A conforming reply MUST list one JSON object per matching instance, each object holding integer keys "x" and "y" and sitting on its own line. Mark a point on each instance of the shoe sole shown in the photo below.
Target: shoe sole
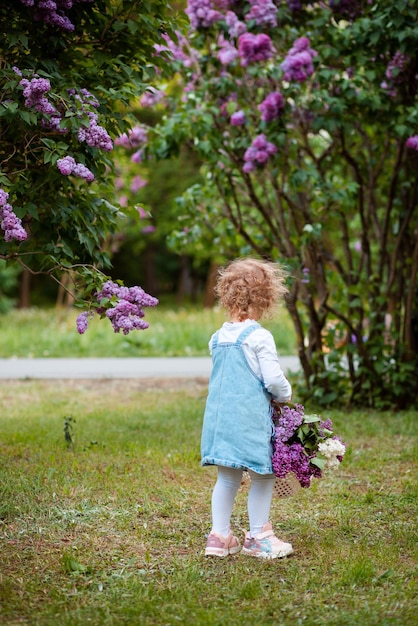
{"x": 222, "y": 552}
{"x": 267, "y": 555}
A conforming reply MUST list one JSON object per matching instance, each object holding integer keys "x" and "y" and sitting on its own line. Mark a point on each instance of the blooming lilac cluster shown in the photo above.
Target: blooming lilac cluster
{"x": 235, "y": 26}
{"x": 123, "y": 306}
{"x": 68, "y": 166}
{"x": 304, "y": 444}
{"x": 298, "y": 65}
{"x": 34, "y": 91}
{"x": 254, "y": 48}
{"x": 10, "y": 223}
{"x": 94, "y": 135}
{"x": 151, "y": 97}
{"x": 238, "y": 118}
{"x": 179, "y": 50}
{"x": 292, "y": 458}
{"x": 202, "y": 13}
{"x": 412, "y": 142}
{"x": 135, "y": 137}
{"x": 289, "y": 420}
{"x": 53, "y": 11}
{"x": 396, "y": 72}
{"x": 258, "y": 153}
{"x": 85, "y": 98}
{"x": 263, "y": 12}
{"x": 271, "y": 107}
{"x": 227, "y": 51}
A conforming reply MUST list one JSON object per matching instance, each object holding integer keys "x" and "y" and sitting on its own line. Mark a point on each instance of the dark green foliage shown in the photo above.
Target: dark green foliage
{"x": 337, "y": 203}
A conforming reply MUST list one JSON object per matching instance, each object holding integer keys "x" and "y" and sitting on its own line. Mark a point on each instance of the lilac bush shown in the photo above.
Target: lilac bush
{"x": 302, "y": 175}
{"x": 69, "y": 73}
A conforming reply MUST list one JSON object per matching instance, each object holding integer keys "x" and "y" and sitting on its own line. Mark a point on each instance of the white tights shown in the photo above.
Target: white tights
{"x": 223, "y": 498}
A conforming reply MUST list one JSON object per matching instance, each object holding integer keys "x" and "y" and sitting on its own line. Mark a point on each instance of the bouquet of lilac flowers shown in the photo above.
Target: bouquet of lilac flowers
{"x": 304, "y": 445}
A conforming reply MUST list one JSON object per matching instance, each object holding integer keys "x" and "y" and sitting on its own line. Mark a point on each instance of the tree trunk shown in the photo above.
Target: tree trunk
{"x": 24, "y": 295}
{"x": 209, "y": 299}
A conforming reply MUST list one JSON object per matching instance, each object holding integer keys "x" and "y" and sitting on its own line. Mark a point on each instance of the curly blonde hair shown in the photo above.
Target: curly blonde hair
{"x": 250, "y": 287}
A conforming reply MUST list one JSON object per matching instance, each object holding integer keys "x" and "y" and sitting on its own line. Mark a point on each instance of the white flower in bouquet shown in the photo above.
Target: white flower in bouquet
{"x": 331, "y": 449}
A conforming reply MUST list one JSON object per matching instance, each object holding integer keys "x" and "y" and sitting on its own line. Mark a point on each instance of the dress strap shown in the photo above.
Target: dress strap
{"x": 215, "y": 339}
{"x": 247, "y": 331}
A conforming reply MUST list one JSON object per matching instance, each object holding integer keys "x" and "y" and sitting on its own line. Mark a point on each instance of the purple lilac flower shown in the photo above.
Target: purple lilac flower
{"x": 271, "y": 107}
{"x": 324, "y": 425}
{"x": 123, "y": 306}
{"x": 10, "y": 223}
{"x": 235, "y": 26}
{"x": 396, "y": 73}
{"x": 412, "y": 142}
{"x": 134, "y": 138}
{"x": 82, "y": 322}
{"x": 179, "y": 50}
{"x": 137, "y": 183}
{"x": 68, "y": 166}
{"x": 151, "y": 98}
{"x": 292, "y": 458}
{"x": 254, "y": 48}
{"x": 95, "y": 136}
{"x": 288, "y": 422}
{"x": 202, "y": 13}
{"x": 148, "y": 230}
{"x": 34, "y": 91}
{"x": 137, "y": 156}
{"x": 306, "y": 275}
{"x": 263, "y": 12}
{"x": 227, "y": 53}
{"x": 298, "y": 65}
{"x": 258, "y": 153}
{"x": 53, "y": 11}
{"x": 238, "y": 118}
{"x": 281, "y": 461}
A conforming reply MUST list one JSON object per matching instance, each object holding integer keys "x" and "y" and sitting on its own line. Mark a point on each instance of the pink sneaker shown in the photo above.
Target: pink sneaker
{"x": 217, "y": 545}
{"x": 265, "y": 545}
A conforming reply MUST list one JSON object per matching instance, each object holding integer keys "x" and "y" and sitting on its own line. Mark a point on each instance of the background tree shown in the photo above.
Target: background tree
{"x": 305, "y": 117}
{"x": 68, "y": 72}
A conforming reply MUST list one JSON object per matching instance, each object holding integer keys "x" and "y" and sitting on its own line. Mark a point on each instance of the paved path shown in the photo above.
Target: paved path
{"x": 176, "y": 367}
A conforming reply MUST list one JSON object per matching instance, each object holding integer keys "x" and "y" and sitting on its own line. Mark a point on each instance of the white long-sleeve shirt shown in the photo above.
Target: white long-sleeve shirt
{"x": 261, "y": 354}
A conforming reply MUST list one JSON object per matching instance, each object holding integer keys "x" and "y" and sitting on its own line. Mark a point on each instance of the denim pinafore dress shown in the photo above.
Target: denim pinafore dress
{"x": 237, "y": 425}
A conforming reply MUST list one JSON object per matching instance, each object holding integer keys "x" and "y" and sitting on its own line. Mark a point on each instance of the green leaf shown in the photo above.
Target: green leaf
{"x": 318, "y": 462}
{"x": 310, "y": 419}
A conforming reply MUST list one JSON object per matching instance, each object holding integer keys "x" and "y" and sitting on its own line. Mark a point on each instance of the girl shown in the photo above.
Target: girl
{"x": 237, "y": 426}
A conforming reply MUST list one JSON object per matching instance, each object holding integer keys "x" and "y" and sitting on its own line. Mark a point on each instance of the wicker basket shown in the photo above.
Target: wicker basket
{"x": 286, "y": 486}
{"x": 283, "y": 487}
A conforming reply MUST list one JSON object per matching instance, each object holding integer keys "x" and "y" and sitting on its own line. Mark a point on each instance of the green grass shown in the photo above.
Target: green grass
{"x": 173, "y": 331}
{"x": 110, "y": 530}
